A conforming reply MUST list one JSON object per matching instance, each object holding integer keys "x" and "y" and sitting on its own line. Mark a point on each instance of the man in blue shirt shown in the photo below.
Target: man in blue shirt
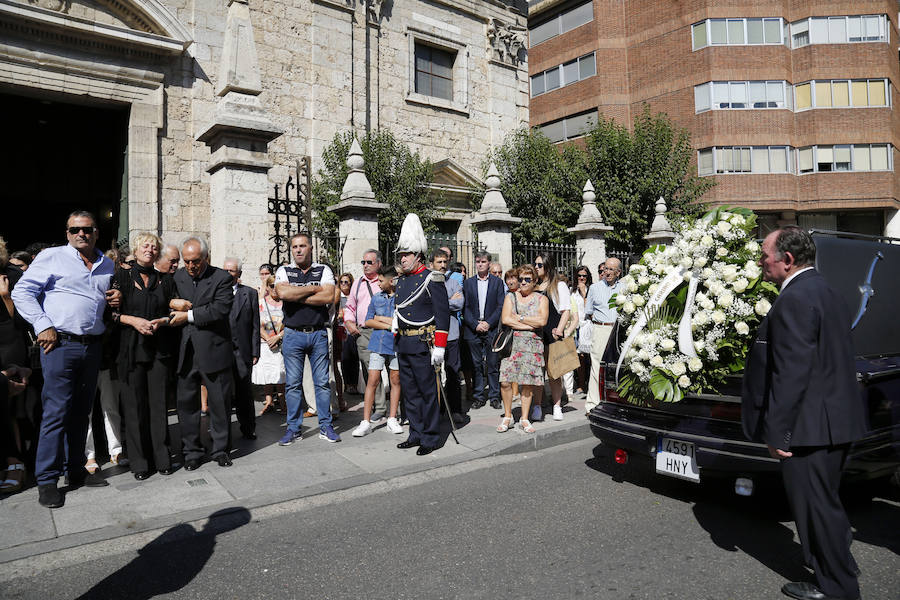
{"x": 596, "y": 308}
{"x": 63, "y": 294}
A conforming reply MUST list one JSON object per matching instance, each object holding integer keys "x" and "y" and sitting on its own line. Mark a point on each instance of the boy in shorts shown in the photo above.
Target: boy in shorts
{"x": 381, "y": 347}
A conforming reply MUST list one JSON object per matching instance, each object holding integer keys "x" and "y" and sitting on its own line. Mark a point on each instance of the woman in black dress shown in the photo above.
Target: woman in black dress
{"x": 146, "y": 356}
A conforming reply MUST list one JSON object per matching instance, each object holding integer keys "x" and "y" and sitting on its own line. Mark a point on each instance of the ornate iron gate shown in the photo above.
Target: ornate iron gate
{"x": 292, "y": 212}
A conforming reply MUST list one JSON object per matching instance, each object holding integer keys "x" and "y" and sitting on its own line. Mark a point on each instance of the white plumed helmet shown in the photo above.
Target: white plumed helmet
{"x": 412, "y": 236}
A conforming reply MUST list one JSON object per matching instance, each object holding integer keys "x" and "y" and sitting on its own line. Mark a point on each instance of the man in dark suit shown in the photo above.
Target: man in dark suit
{"x": 245, "y": 338}
{"x": 801, "y": 398}
{"x": 206, "y": 355}
{"x": 481, "y": 316}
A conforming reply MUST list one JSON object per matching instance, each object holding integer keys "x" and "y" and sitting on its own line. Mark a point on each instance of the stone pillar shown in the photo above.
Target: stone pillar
{"x": 358, "y": 211}
{"x": 590, "y": 231}
{"x": 660, "y": 230}
{"x": 238, "y": 140}
{"x": 494, "y": 221}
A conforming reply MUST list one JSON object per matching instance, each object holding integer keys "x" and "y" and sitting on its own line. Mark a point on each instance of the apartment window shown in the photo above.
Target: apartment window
{"x": 434, "y": 72}
{"x": 839, "y": 30}
{"x": 570, "y": 127}
{"x": 719, "y": 95}
{"x": 842, "y": 93}
{"x": 561, "y": 23}
{"x": 743, "y": 159}
{"x": 856, "y": 157}
{"x": 737, "y": 32}
{"x": 564, "y": 74}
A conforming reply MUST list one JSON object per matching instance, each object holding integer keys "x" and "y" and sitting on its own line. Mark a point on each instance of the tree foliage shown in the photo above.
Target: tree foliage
{"x": 398, "y": 176}
{"x": 630, "y": 169}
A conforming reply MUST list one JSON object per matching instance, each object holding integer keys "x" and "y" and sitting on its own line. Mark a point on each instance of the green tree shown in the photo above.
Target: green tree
{"x": 541, "y": 184}
{"x": 631, "y": 169}
{"x": 399, "y": 178}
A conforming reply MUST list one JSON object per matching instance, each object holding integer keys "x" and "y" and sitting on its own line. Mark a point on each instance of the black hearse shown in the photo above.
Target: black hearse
{"x": 701, "y": 437}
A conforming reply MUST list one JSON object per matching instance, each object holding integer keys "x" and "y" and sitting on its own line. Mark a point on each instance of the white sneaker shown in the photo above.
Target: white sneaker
{"x": 557, "y": 412}
{"x": 393, "y": 425}
{"x": 364, "y": 428}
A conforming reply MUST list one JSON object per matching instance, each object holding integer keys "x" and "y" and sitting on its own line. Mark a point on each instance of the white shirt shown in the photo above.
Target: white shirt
{"x": 788, "y": 280}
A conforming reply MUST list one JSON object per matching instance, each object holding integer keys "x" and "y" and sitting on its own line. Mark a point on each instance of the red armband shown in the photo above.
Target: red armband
{"x": 440, "y": 339}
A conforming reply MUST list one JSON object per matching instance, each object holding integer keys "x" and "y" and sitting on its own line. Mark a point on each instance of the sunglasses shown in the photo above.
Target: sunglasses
{"x": 77, "y": 230}
{"x": 524, "y": 279}
{"x": 131, "y": 262}
{"x": 345, "y": 282}
{"x": 272, "y": 287}
{"x": 367, "y": 262}
{"x": 582, "y": 276}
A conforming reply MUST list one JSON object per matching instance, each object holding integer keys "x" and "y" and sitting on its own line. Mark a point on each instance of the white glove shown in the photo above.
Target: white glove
{"x": 437, "y": 357}
{"x": 395, "y": 324}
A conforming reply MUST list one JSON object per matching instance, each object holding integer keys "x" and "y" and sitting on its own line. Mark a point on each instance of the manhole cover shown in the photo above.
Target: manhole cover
{"x": 196, "y": 482}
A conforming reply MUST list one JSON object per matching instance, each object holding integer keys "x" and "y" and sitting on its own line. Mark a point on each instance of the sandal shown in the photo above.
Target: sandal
{"x": 266, "y": 408}
{"x": 9, "y": 485}
{"x": 526, "y": 425}
{"x": 92, "y": 467}
{"x": 504, "y": 425}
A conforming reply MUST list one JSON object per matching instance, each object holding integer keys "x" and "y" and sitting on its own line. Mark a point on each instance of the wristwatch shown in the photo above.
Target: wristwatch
{"x": 521, "y": 318}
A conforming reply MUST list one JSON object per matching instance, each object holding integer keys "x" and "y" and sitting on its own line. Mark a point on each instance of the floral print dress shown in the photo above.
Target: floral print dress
{"x": 525, "y": 363}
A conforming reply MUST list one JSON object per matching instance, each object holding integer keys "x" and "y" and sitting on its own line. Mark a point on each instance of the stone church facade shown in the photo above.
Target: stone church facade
{"x": 219, "y": 98}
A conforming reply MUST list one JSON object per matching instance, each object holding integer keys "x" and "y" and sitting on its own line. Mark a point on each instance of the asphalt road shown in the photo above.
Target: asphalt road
{"x": 563, "y": 523}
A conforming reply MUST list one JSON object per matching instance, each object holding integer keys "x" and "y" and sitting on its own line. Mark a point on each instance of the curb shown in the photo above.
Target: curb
{"x": 539, "y": 441}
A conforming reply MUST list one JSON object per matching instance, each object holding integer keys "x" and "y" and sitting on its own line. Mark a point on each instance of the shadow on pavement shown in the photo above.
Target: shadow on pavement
{"x": 170, "y": 562}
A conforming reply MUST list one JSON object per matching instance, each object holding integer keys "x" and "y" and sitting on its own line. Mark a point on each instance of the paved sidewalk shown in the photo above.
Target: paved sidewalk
{"x": 263, "y": 473}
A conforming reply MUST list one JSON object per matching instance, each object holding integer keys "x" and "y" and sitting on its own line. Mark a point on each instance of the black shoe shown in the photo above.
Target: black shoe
{"x": 223, "y": 460}
{"x": 423, "y": 450}
{"x": 191, "y": 464}
{"x": 142, "y": 475}
{"x": 49, "y": 496}
{"x": 408, "y": 444}
{"x": 478, "y": 404}
{"x": 248, "y": 436}
{"x": 168, "y": 471}
{"x": 804, "y": 591}
{"x": 87, "y": 479}
{"x": 496, "y": 404}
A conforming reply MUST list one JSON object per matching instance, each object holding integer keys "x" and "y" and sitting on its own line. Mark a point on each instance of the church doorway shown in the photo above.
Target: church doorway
{"x": 59, "y": 157}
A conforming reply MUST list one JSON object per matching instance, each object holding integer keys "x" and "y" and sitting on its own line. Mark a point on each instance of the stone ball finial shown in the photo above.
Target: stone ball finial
{"x": 661, "y": 231}
{"x": 588, "y": 194}
{"x": 357, "y": 184}
{"x": 492, "y": 182}
{"x": 661, "y": 206}
{"x": 355, "y": 161}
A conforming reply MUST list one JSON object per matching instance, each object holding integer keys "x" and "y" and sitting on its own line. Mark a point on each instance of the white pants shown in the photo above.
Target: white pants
{"x": 599, "y": 340}
{"x": 109, "y": 403}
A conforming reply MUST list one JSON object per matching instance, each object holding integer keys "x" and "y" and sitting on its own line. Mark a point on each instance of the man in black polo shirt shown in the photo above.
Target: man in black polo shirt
{"x": 306, "y": 288}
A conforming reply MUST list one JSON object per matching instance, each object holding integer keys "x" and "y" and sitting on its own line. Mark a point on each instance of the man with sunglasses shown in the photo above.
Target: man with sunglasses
{"x": 596, "y": 308}
{"x": 64, "y": 295}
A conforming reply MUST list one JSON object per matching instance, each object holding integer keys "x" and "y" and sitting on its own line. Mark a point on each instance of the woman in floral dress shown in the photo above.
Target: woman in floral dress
{"x": 525, "y": 312}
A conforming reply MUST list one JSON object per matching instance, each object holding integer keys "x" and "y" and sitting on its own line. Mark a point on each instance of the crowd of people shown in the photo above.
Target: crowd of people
{"x": 137, "y": 334}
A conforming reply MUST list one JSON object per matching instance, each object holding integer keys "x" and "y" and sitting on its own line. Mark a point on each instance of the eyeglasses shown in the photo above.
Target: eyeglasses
{"x": 345, "y": 282}
{"x": 77, "y": 230}
{"x": 524, "y": 279}
{"x": 538, "y": 265}
{"x": 367, "y": 262}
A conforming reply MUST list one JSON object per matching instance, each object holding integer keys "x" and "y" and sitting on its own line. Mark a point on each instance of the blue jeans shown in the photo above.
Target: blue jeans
{"x": 296, "y": 346}
{"x": 70, "y": 383}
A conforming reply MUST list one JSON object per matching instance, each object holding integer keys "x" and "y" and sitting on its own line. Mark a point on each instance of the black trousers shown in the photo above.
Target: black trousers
{"x": 350, "y": 361}
{"x": 811, "y": 478}
{"x": 144, "y": 412}
{"x": 243, "y": 399}
{"x": 452, "y": 368}
{"x": 220, "y": 388}
{"x": 420, "y": 393}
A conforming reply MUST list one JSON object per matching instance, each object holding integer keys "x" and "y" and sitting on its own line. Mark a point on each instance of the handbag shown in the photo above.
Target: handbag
{"x": 503, "y": 340}
{"x": 269, "y": 312}
{"x": 562, "y": 358}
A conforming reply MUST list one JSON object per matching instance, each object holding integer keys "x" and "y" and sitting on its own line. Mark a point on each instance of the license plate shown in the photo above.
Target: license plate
{"x": 677, "y": 459}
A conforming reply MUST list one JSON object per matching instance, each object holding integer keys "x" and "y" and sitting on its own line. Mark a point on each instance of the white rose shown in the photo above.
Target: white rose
{"x": 684, "y": 381}
{"x": 740, "y": 285}
{"x": 667, "y": 344}
{"x": 752, "y": 246}
{"x": 659, "y": 268}
{"x": 699, "y": 346}
{"x": 643, "y": 280}
{"x": 687, "y": 275}
{"x": 737, "y": 220}
{"x": 678, "y": 369}
{"x": 637, "y": 300}
{"x": 723, "y": 227}
{"x": 620, "y": 299}
{"x": 637, "y": 269}
{"x": 632, "y": 286}
{"x": 721, "y": 251}
{"x": 762, "y": 307}
{"x": 644, "y": 354}
{"x": 700, "y": 261}
{"x": 726, "y": 299}
{"x": 637, "y": 367}
{"x": 652, "y": 289}
{"x": 686, "y": 261}
{"x": 706, "y": 241}
{"x": 742, "y": 328}
{"x": 718, "y": 317}
{"x": 708, "y": 273}
{"x": 629, "y": 308}
{"x": 656, "y": 361}
{"x": 707, "y": 304}
{"x": 729, "y": 273}
{"x": 700, "y": 319}
{"x": 695, "y": 364}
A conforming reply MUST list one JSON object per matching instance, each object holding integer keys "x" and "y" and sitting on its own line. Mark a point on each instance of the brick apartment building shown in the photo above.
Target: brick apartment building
{"x": 789, "y": 103}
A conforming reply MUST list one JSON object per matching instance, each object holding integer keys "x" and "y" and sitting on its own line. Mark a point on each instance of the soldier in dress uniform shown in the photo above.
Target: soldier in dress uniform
{"x": 421, "y": 323}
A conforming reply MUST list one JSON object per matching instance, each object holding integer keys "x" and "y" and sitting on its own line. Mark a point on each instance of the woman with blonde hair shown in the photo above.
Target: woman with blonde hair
{"x": 268, "y": 371}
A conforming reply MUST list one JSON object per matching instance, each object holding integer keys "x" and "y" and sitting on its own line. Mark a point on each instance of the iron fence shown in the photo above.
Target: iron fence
{"x": 566, "y": 256}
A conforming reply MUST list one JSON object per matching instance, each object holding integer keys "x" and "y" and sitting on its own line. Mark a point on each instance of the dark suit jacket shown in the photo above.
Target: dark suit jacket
{"x": 245, "y": 328}
{"x": 210, "y": 333}
{"x": 493, "y": 305}
{"x": 800, "y": 384}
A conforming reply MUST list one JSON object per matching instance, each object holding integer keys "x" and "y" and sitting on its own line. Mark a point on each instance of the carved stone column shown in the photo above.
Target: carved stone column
{"x": 358, "y": 211}
{"x": 590, "y": 230}
{"x": 238, "y": 140}
{"x": 494, "y": 221}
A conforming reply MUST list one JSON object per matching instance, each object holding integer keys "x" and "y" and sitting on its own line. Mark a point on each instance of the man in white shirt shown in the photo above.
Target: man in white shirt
{"x": 596, "y": 308}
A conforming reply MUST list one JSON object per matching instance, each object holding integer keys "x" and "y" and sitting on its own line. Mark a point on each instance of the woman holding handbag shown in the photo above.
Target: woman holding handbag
{"x": 268, "y": 371}
{"x": 557, "y": 292}
{"x": 580, "y": 287}
{"x": 525, "y": 313}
